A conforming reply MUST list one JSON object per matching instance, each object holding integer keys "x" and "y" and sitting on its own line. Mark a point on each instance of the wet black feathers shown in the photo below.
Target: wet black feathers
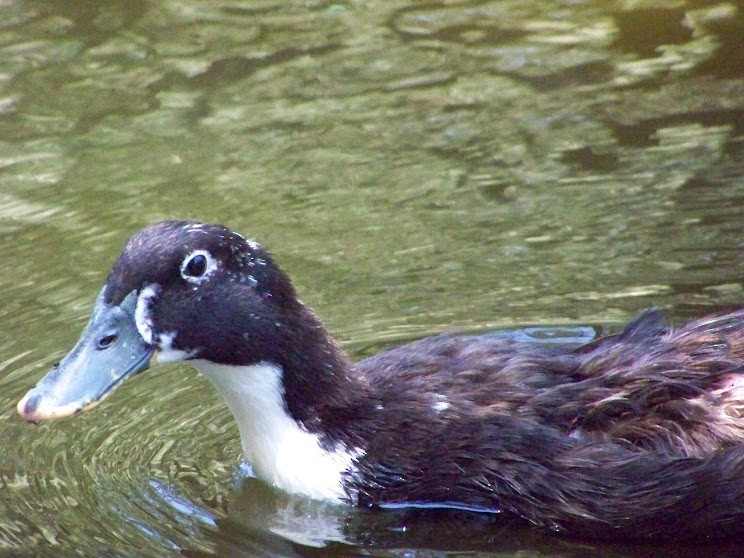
{"x": 633, "y": 436}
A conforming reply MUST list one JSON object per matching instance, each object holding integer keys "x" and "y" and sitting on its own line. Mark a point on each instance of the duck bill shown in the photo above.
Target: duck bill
{"x": 109, "y": 351}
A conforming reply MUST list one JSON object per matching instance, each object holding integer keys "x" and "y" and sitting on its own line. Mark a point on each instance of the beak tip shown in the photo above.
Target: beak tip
{"x": 28, "y": 406}
{"x": 36, "y": 407}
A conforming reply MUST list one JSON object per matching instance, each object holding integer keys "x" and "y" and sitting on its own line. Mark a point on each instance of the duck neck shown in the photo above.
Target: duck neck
{"x": 318, "y": 378}
{"x": 291, "y": 409}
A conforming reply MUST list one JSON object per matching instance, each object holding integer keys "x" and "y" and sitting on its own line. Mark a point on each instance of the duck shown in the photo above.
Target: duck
{"x": 636, "y": 436}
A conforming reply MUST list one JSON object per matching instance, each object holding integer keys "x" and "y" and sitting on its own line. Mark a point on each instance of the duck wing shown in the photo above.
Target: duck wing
{"x": 680, "y": 391}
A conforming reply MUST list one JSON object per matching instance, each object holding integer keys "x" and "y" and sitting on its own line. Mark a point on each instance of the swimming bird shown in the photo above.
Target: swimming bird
{"x": 636, "y": 436}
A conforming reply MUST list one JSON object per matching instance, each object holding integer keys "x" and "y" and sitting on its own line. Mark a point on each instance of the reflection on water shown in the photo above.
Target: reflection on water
{"x": 415, "y": 166}
{"x": 263, "y": 522}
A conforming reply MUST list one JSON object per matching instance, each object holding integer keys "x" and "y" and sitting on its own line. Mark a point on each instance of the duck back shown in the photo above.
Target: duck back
{"x": 634, "y": 436}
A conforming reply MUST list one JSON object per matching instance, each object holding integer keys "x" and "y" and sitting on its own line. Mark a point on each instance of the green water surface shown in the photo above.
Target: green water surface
{"x": 414, "y": 166}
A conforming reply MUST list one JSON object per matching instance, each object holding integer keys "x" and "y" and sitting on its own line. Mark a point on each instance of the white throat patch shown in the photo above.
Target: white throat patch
{"x": 277, "y": 447}
{"x": 142, "y": 318}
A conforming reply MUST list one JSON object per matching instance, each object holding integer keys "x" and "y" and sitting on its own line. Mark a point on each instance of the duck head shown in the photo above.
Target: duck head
{"x": 179, "y": 291}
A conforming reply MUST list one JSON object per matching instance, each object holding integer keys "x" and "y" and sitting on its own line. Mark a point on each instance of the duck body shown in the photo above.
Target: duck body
{"x": 637, "y": 436}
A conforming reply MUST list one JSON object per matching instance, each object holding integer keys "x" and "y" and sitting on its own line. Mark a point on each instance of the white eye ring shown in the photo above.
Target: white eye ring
{"x": 198, "y": 266}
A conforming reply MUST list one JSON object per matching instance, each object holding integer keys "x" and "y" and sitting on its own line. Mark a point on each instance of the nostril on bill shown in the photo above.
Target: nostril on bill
{"x": 106, "y": 342}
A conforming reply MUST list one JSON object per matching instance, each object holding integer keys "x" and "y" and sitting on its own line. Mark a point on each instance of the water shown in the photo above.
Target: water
{"x": 414, "y": 166}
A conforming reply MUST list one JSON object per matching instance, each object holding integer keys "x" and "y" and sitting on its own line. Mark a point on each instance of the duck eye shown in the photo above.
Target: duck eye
{"x": 196, "y": 266}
